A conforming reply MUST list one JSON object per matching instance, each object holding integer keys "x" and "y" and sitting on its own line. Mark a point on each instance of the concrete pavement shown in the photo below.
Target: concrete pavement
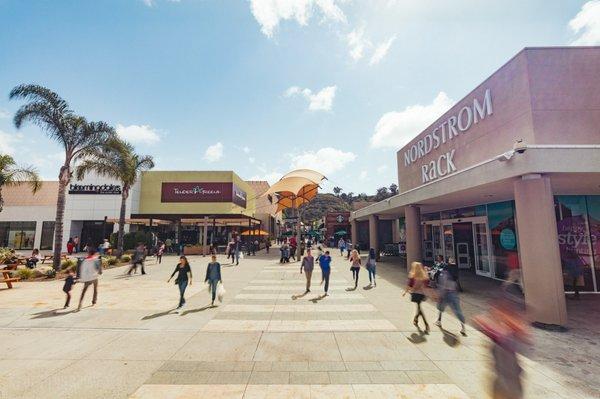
{"x": 267, "y": 340}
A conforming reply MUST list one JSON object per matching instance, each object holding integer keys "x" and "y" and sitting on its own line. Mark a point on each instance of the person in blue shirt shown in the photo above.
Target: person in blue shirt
{"x": 325, "y": 263}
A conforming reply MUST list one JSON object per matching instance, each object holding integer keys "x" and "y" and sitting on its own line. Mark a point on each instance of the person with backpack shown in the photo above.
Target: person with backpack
{"x": 448, "y": 295}
{"x": 371, "y": 266}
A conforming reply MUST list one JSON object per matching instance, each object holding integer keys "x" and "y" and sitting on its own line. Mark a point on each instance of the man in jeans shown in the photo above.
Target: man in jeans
{"x": 448, "y": 296}
{"x": 308, "y": 264}
{"x": 88, "y": 271}
{"x": 325, "y": 263}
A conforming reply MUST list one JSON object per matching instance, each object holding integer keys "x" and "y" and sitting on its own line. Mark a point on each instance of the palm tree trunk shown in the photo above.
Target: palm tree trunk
{"x": 63, "y": 180}
{"x": 1, "y": 200}
{"x": 121, "y": 232}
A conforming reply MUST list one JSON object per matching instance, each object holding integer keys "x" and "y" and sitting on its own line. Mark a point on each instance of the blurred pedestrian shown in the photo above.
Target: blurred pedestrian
{"x": 342, "y": 246}
{"x": 213, "y": 277}
{"x": 68, "y": 286}
{"x": 447, "y": 291}
{"x": 268, "y": 244}
{"x": 138, "y": 258}
{"x": 308, "y": 264}
{"x": 184, "y": 277}
{"x": 160, "y": 252}
{"x": 70, "y": 246}
{"x": 371, "y": 267}
{"x": 88, "y": 272}
{"x": 454, "y": 272}
{"x": 355, "y": 267}
{"x": 76, "y": 242}
{"x": 417, "y": 283}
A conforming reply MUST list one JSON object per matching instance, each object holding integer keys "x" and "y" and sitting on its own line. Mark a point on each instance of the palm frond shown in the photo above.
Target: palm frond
{"x": 38, "y": 93}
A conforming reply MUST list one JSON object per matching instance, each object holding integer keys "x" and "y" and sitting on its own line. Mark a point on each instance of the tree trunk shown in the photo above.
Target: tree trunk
{"x": 121, "y": 232}
{"x": 1, "y": 200}
{"x": 63, "y": 180}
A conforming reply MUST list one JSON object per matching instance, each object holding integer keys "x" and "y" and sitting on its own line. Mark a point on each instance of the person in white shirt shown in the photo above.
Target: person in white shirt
{"x": 88, "y": 271}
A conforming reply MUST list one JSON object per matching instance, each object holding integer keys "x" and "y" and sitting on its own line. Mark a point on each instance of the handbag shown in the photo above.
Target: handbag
{"x": 416, "y": 297}
{"x": 220, "y": 292}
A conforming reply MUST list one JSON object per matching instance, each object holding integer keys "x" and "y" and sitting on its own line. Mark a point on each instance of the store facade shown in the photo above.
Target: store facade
{"x": 196, "y": 208}
{"x": 509, "y": 179}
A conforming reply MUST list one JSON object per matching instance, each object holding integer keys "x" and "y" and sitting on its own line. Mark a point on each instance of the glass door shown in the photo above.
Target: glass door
{"x": 448, "y": 241}
{"x": 482, "y": 253}
{"x": 436, "y": 236}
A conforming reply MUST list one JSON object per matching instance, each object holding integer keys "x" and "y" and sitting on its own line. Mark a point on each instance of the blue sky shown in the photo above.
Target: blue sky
{"x": 263, "y": 86}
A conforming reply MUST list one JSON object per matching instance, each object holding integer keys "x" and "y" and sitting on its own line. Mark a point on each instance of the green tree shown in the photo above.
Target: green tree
{"x": 118, "y": 160}
{"x": 382, "y": 193}
{"x": 393, "y": 189}
{"x": 47, "y": 110}
{"x": 337, "y": 191}
{"x": 318, "y": 207}
{"x": 12, "y": 174}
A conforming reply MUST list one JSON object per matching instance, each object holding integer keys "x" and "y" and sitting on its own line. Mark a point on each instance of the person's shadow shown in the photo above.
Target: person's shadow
{"x": 319, "y": 298}
{"x": 160, "y": 314}
{"x": 50, "y": 313}
{"x": 294, "y": 297}
{"x": 351, "y": 289}
{"x": 450, "y": 339}
{"x": 418, "y": 338}
{"x": 202, "y": 309}
{"x": 368, "y": 287}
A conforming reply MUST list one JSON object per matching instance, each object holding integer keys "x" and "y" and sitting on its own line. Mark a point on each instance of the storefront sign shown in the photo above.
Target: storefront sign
{"x": 508, "y": 240}
{"x": 106, "y": 189}
{"x": 445, "y": 133}
{"x": 203, "y": 192}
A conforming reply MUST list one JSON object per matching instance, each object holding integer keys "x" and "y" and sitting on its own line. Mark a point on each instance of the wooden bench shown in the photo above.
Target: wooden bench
{"x": 51, "y": 257}
{"x": 6, "y": 278}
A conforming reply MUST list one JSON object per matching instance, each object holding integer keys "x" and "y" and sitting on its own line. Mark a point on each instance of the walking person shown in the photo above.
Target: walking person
{"x": 448, "y": 296}
{"x": 371, "y": 267}
{"x": 325, "y": 264}
{"x": 268, "y": 244}
{"x": 160, "y": 252}
{"x": 88, "y": 272}
{"x": 417, "y": 283}
{"x": 293, "y": 247}
{"x": 213, "y": 277}
{"x": 138, "y": 259}
{"x": 342, "y": 246}
{"x": 184, "y": 276}
{"x": 168, "y": 244}
{"x": 68, "y": 286}
{"x": 308, "y": 265}
{"x": 237, "y": 250}
{"x": 355, "y": 266}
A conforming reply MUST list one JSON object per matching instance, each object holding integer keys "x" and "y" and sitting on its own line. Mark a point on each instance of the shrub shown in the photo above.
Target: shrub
{"x": 104, "y": 262}
{"x": 25, "y": 274}
{"x": 126, "y": 258}
{"x": 111, "y": 260}
{"x": 130, "y": 240}
{"x": 65, "y": 264}
{"x": 51, "y": 273}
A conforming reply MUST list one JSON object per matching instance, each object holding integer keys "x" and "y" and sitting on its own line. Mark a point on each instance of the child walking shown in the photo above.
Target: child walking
{"x": 69, "y": 281}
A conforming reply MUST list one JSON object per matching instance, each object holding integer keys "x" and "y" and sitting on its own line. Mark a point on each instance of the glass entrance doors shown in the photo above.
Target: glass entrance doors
{"x": 467, "y": 240}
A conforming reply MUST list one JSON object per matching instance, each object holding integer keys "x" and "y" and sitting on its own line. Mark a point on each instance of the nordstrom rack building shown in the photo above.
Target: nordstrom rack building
{"x": 508, "y": 178}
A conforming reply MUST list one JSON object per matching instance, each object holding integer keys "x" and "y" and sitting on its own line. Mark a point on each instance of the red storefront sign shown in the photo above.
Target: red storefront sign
{"x": 202, "y": 192}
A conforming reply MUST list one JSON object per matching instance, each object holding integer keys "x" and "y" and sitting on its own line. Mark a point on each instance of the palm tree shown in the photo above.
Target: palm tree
{"x": 52, "y": 114}
{"x": 117, "y": 160}
{"x": 11, "y": 174}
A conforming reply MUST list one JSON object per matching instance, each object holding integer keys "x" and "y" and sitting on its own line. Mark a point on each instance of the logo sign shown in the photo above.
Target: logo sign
{"x": 340, "y": 218}
{"x": 103, "y": 189}
{"x": 203, "y": 192}
{"x": 508, "y": 240}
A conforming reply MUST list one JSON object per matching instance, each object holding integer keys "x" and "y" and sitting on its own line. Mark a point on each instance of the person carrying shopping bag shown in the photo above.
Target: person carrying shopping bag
{"x": 213, "y": 277}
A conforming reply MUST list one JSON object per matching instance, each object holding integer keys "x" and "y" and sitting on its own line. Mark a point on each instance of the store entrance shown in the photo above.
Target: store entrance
{"x": 467, "y": 240}
{"x": 94, "y": 232}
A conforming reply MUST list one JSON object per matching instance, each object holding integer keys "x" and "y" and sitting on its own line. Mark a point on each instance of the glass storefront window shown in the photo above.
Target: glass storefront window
{"x": 574, "y": 241}
{"x": 593, "y": 205}
{"x": 17, "y": 235}
{"x": 501, "y": 221}
{"x": 47, "y": 235}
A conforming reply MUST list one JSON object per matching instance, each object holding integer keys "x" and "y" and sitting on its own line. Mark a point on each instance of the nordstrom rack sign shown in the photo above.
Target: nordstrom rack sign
{"x": 445, "y": 133}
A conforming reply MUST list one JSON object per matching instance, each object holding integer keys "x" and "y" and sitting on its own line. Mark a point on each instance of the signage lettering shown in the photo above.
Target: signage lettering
{"x": 452, "y": 127}
{"x": 103, "y": 189}
{"x": 203, "y": 192}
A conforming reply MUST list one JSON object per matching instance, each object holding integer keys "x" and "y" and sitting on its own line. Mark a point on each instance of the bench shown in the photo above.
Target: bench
{"x": 6, "y": 278}
{"x": 51, "y": 257}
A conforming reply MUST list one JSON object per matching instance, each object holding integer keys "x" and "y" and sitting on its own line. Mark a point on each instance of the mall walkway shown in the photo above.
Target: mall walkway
{"x": 260, "y": 343}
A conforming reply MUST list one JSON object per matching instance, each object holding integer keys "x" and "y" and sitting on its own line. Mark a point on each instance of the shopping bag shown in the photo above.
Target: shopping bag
{"x": 220, "y": 292}
{"x": 241, "y": 255}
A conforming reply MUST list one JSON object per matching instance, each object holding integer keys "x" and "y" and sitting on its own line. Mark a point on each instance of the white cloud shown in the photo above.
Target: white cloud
{"x": 357, "y": 43}
{"x": 214, "y": 152}
{"x": 246, "y": 150}
{"x": 4, "y": 113}
{"x": 363, "y": 175}
{"x": 382, "y": 168}
{"x": 268, "y": 13}
{"x": 586, "y": 24}
{"x": 138, "y": 134}
{"x": 397, "y": 128}
{"x": 7, "y": 142}
{"x": 271, "y": 177}
{"x": 150, "y": 3}
{"x": 321, "y": 101}
{"x": 326, "y": 160}
{"x": 381, "y": 51}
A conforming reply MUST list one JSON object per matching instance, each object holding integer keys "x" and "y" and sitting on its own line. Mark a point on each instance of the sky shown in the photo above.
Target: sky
{"x": 262, "y": 87}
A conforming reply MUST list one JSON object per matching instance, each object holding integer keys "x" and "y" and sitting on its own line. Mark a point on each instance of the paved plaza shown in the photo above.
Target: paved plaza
{"x": 266, "y": 340}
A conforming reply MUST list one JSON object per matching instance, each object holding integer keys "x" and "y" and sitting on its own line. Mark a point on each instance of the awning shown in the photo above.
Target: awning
{"x": 143, "y": 221}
